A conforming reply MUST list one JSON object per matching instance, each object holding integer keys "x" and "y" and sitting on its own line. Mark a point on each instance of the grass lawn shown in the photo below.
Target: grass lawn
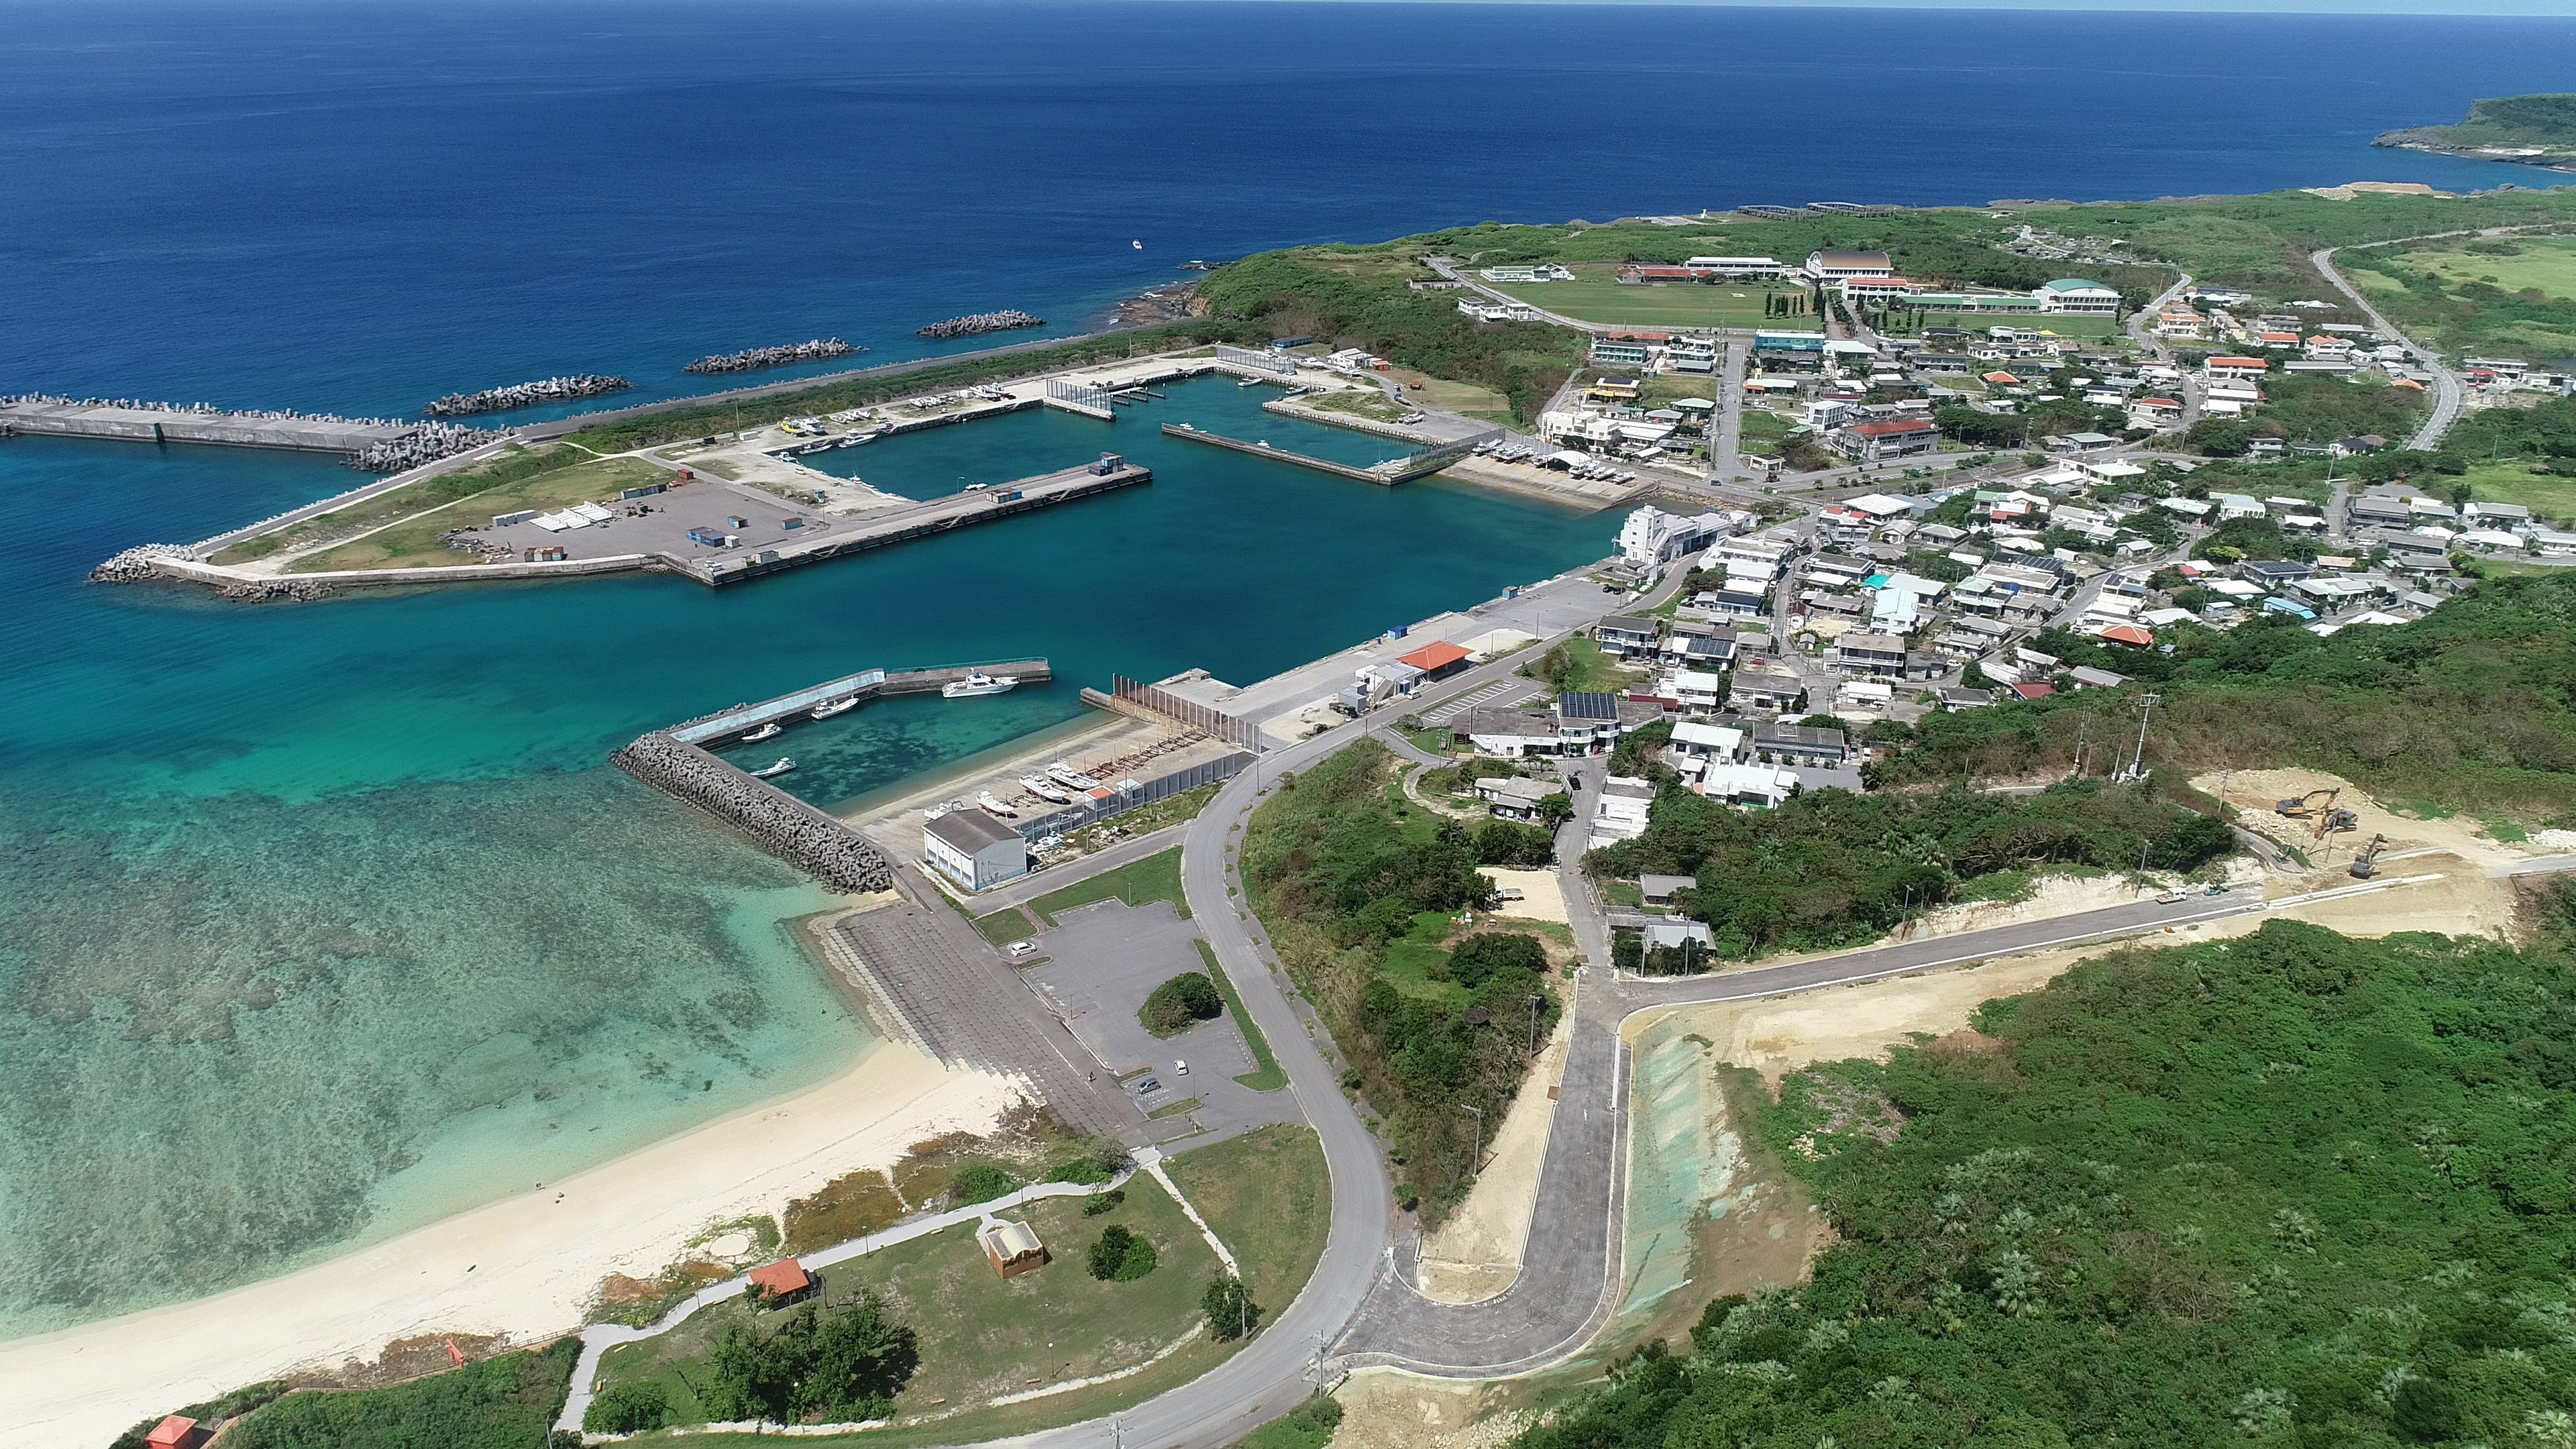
{"x": 982, "y": 1336}
{"x": 1155, "y": 878}
{"x": 1598, "y": 672}
{"x": 2543, "y": 493}
{"x": 1003, "y": 927}
{"x": 1435, "y": 740}
{"x": 1596, "y": 295}
{"x": 1412, "y": 958}
{"x": 410, "y": 498}
{"x": 1457, "y": 397}
{"x": 1266, "y": 1075}
{"x": 1371, "y": 404}
{"x": 414, "y": 542}
{"x": 1266, "y": 1195}
{"x": 2492, "y": 568}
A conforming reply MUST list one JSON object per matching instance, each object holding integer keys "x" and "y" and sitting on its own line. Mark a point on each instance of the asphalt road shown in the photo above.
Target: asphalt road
{"x": 2447, "y": 399}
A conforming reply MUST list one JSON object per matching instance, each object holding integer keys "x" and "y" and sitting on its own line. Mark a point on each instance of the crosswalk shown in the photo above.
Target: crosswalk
{"x": 1520, "y": 690}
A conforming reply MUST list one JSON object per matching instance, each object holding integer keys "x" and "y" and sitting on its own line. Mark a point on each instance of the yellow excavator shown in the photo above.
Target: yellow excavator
{"x": 2317, "y": 807}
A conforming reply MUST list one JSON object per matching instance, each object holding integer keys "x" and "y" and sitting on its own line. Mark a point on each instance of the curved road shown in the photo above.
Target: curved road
{"x": 2447, "y": 398}
{"x": 1359, "y": 1307}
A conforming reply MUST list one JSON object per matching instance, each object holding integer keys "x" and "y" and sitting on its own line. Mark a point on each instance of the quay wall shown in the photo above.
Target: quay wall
{"x": 1263, "y": 450}
{"x": 1291, "y": 408}
{"x": 787, "y": 557}
{"x": 776, "y": 821}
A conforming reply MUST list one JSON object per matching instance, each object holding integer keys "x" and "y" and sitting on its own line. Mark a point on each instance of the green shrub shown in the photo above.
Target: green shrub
{"x": 1102, "y": 1202}
{"x": 1479, "y": 959}
{"x": 1119, "y": 1256}
{"x": 848, "y": 1364}
{"x": 226, "y": 1406}
{"x": 980, "y": 1182}
{"x": 1181, "y": 1003}
{"x": 627, "y": 1409}
{"x": 505, "y": 1402}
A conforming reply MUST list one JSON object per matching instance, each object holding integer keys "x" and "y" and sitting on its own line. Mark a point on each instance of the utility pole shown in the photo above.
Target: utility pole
{"x": 1475, "y": 1159}
{"x": 2147, "y": 709}
{"x": 1536, "y": 1002}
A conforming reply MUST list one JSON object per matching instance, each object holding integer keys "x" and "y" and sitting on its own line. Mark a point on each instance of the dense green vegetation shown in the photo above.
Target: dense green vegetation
{"x": 506, "y": 1402}
{"x": 844, "y": 1367}
{"x": 1230, "y": 1311}
{"x": 1356, "y": 297}
{"x": 2290, "y": 1189}
{"x": 1308, "y": 1426}
{"x": 2469, "y": 707}
{"x": 1266, "y": 1074}
{"x": 1832, "y": 868}
{"x": 2547, "y": 121}
{"x": 1180, "y": 1003}
{"x": 1356, "y": 890}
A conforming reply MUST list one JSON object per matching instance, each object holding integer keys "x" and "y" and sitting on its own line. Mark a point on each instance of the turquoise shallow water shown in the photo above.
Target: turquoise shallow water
{"x": 320, "y": 921}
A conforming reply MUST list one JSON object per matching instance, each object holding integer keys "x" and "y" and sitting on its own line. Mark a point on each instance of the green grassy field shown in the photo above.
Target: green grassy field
{"x": 1596, "y": 295}
{"x": 2549, "y": 494}
{"x": 1003, "y": 927}
{"x": 2546, "y": 264}
{"x": 511, "y": 464}
{"x": 1155, "y": 878}
{"x": 414, "y": 542}
{"x": 1263, "y": 1193}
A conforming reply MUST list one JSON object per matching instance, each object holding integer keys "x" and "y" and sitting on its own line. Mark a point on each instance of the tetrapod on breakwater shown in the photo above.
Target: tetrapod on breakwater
{"x": 525, "y": 395}
{"x": 752, "y": 358}
{"x": 979, "y": 323}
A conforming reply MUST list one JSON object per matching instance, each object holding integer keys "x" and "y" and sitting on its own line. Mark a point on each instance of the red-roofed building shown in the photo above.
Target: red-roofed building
{"x": 1435, "y": 660}
{"x": 176, "y": 1432}
{"x": 2130, "y": 634}
{"x": 784, "y": 1281}
{"x": 2034, "y": 690}
{"x": 2000, "y": 379}
{"x": 2236, "y": 367}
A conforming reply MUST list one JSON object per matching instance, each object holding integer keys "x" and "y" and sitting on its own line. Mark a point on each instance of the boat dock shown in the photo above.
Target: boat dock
{"x": 865, "y": 685}
{"x": 676, "y": 762}
{"x": 133, "y": 423}
{"x": 835, "y": 539}
{"x": 1386, "y": 474}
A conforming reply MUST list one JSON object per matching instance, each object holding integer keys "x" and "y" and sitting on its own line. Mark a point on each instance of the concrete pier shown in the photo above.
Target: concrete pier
{"x": 901, "y": 525}
{"x": 180, "y": 425}
{"x": 1387, "y": 474}
{"x": 865, "y": 685}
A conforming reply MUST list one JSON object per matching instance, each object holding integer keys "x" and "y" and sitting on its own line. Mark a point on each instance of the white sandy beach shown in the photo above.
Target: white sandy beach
{"x": 526, "y": 1266}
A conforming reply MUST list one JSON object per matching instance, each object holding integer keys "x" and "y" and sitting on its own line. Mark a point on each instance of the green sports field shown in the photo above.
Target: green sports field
{"x": 1597, "y": 295}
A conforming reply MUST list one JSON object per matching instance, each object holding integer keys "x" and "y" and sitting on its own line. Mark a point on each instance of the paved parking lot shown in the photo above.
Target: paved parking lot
{"x": 1102, "y": 962}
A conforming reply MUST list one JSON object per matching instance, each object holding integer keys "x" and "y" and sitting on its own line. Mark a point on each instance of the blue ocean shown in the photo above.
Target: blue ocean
{"x": 317, "y": 922}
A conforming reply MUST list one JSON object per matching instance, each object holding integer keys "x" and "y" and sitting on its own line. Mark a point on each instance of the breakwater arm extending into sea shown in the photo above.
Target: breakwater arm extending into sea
{"x": 525, "y": 395}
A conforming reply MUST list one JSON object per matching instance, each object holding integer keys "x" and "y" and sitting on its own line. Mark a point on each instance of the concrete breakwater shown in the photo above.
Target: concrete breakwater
{"x": 751, "y": 359}
{"x": 978, "y": 323}
{"x": 774, "y": 820}
{"x": 374, "y": 445}
{"x": 525, "y": 395}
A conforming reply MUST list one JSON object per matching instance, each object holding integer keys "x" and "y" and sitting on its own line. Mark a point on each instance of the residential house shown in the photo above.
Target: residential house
{"x": 1508, "y": 734}
{"x": 1693, "y": 689}
{"x": 1629, "y": 636}
{"x": 1662, "y": 892}
{"x": 1514, "y": 797}
{"x": 1870, "y": 655}
{"x": 1768, "y": 689}
{"x": 1800, "y": 744}
{"x": 1620, "y": 811}
{"x": 1757, "y": 787}
{"x": 1881, "y": 441}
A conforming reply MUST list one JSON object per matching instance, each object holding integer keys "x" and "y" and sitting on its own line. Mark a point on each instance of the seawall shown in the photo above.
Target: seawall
{"x": 776, "y": 821}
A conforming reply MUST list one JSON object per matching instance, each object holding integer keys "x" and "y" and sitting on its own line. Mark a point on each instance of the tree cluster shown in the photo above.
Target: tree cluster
{"x": 844, "y": 1365}
{"x": 1181, "y": 1003}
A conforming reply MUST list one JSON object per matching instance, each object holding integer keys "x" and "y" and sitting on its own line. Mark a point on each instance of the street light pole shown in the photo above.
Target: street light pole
{"x": 1475, "y": 1159}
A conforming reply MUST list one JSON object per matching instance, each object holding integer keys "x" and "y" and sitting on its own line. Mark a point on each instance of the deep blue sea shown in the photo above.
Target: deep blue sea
{"x": 318, "y": 921}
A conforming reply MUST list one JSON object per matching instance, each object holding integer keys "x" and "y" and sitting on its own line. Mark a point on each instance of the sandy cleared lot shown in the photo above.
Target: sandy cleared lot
{"x": 525, "y": 1267}
{"x": 1542, "y": 895}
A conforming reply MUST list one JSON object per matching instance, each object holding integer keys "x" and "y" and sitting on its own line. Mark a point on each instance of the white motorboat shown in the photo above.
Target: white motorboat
{"x": 769, "y": 731}
{"x": 1071, "y": 778}
{"x": 979, "y": 683}
{"x": 782, "y": 767}
{"x": 993, "y": 806}
{"x": 831, "y": 707}
{"x": 1044, "y": 790}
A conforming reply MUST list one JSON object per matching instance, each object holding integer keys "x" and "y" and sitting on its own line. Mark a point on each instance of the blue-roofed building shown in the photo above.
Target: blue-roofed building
{"x": 2077, "y": 297}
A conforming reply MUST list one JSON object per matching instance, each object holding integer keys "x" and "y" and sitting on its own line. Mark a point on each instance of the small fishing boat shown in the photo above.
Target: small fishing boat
{"x": 978, "y": 683}
{"x": 782, "y": 767}
{"x": 769, "y": 731}
{"x": 831, "y": 707}
{"x": 1044, "y": 790}
{"x": 993, "y": 806}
